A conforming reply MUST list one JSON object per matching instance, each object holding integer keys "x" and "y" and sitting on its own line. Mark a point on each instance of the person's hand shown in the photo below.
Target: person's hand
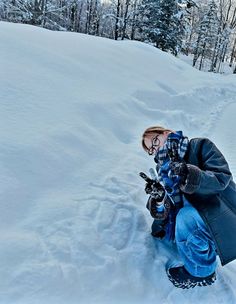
{"x": 148, "y": 187}
{"x": 179, "y": 169}
{"x": 155, "y": 190}
{"x": 152, "y": 206}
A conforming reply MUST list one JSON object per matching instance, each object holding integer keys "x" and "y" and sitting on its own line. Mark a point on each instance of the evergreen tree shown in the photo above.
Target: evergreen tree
{"x": 161, "y": 24}
{"x": 208, "y": 35}
{"x": 200, "y": 28}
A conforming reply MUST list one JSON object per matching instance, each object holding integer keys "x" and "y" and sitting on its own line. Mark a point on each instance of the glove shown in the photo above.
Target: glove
{"x": 180, "y": 169}
{"x": 155, "y": 190}
{"x": 148, "y": 187}
{"x": 152, "y": 206}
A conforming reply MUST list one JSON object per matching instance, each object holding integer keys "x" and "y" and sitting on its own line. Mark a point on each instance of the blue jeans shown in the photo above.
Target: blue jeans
{"x": 194, "y": 243}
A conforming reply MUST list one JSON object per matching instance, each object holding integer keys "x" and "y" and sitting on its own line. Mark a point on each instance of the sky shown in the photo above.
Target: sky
{"x": 73, "y": 222}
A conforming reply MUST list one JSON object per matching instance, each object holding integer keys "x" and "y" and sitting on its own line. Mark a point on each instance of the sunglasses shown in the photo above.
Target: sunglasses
{"x": 155, "y": 145}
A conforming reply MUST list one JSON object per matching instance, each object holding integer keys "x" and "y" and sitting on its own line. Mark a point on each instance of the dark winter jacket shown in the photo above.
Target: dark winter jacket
{"x": 212, "y": 191}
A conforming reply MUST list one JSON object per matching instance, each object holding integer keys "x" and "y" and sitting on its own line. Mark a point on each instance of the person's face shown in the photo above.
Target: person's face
{"x": 155, "y": 141}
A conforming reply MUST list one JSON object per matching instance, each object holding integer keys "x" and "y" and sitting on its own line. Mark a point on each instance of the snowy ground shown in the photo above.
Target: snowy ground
{"x": 73, "y": 223}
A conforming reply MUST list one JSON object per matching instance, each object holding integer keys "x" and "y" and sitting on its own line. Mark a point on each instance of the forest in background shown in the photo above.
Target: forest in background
{"x": 203, "y": 29}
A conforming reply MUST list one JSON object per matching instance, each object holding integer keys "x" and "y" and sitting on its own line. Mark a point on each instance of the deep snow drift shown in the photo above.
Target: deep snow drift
{"x": 74, "y": 228}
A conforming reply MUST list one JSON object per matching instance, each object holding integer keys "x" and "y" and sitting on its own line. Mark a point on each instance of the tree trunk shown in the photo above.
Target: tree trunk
{"x": 215, "y": 52}
{"x": 117, "y": 19}
{"x": 202, "y": 56}
{"x": 133, "y": 26}
{"x": 196, "y": 53}
{"x": 233, "y": 53}
{"x": 44, "y": 12}
{"x": 125, "y": 18}
{"x": 88, "y": 16}
{"x": 78, "y": 26}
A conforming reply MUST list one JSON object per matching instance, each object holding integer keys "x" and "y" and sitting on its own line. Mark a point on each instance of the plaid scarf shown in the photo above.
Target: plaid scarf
{"x": 178, "y": 144}
{"x": 182, "y": 146}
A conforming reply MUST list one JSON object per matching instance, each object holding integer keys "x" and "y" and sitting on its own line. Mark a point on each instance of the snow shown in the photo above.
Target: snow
{"x": 73, "y": 222}
{"x": 225, "y": 69}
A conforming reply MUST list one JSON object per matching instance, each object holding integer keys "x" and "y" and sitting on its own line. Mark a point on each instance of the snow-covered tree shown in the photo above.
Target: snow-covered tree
{"x": 205, "y": 29}
{"x": 189, "y": 23}
{"x": 207, "y": 36}
{"x": 161, "y": 24}
{"x": 44, "y": 13}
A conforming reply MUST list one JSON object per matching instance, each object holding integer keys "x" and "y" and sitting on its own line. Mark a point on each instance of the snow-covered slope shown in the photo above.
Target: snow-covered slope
{"x": 73, "y": 223}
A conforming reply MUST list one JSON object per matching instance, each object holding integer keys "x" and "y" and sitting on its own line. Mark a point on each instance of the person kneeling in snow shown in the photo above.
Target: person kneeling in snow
{"x": 193, "y": 202}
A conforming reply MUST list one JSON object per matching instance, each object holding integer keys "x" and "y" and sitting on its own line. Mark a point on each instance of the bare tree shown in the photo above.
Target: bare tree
{"x": 117, "y": 19}
{"x": 125, "y": 18}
